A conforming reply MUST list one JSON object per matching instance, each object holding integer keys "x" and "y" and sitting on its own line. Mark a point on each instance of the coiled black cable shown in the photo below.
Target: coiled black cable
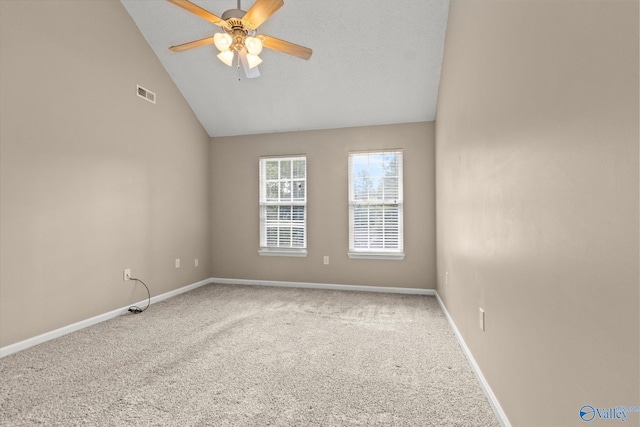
{"x": 134, "y": 308}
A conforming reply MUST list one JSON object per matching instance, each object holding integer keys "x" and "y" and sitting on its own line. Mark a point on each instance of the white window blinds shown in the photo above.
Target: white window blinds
{"x": 283, "y": 202}
{"x": 375, "y": 203}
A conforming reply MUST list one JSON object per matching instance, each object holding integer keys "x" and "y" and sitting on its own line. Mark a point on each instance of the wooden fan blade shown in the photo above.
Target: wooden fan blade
{"x": 202, "y": 13}
{"x": 286, "y": 47}
{"x": 191, "y": 45}
{"x": 261, "y": 11}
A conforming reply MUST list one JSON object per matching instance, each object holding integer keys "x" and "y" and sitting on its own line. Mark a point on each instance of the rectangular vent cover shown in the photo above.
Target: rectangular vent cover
{"x": 146, "y": 94}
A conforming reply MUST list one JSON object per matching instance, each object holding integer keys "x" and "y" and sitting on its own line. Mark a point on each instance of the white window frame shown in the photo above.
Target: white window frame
{"x": 268, "y": 203}
{"x": 378, "y": 199}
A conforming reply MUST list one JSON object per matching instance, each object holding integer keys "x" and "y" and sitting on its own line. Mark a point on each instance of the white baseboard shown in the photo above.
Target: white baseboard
{"x": 309, "y": 285}
{"x": 493, "y": 400}
{"x": 30, "y": 342}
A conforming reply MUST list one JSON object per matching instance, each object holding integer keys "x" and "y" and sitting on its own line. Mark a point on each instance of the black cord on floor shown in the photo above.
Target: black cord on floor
{"x": 134, "y": 308}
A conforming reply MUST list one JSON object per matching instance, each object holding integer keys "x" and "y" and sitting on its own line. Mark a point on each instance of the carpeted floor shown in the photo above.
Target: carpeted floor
{"x": 225, "y": 355}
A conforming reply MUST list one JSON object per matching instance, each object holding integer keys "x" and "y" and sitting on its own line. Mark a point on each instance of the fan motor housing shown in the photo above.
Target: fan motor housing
{"x": 233, "y": 13}
{"x": 239, "y": 30}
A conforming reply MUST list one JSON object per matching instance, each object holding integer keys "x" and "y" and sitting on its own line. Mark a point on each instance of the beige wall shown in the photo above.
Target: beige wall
{"x": 537, "y": 201}
{"x": 234, "y": 186}
{"x": 93, "y": 178}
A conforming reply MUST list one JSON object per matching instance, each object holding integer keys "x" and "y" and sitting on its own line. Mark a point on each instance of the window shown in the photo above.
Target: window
{"x": 283, "y": 206}
{"x": 375, "y": 205}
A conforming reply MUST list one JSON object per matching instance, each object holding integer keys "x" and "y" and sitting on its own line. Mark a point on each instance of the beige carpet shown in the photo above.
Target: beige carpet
{"x": 225, "y": 355}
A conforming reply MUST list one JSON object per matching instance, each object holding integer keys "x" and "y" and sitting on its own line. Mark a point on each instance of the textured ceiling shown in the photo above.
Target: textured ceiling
{"x": 374, "y": 62}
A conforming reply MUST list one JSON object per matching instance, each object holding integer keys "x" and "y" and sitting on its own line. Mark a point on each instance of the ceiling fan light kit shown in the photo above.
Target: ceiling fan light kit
{"x": 226, "y": 57}
{"x": 222, "y": 41}
{"x": 240, "y": 34}
{"x": 237, "y": 38}
{"x": 253, "y": 60}
{"x": 253, "y": 45}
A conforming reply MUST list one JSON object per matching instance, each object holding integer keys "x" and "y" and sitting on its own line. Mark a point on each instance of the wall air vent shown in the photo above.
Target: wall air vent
{"x": 146, "y": 94}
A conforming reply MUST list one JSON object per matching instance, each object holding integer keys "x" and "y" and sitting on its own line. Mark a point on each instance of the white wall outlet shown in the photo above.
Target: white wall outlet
{"x": 126, "y": 274}
{"x": 326, "y": 260}
{"x": 177, "y": 262}
{"x": 195, "y": 263}
{"x": 446, "y": 278}
{"x": 481, "y": 319}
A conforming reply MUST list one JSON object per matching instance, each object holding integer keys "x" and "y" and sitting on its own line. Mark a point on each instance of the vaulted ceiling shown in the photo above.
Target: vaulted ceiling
{"x": 374, "y": 62}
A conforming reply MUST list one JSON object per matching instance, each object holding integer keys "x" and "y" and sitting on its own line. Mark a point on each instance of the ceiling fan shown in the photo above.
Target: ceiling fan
{"x": 240, "y": 34}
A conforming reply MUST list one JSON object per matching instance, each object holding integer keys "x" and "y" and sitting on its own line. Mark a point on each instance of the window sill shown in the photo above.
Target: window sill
{"x": 282, "y": 252}
{"x": 394, "y": 256}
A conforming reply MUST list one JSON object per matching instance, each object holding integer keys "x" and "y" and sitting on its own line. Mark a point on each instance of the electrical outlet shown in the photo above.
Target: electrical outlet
{"x": 126, "y": 274}
{"x": 446, "y": 278}
{"x": 326, "y": 260}
{"x": 196, "y": 262}
{"x": 177, "y": 262}
{"x": 481, "y": 319}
